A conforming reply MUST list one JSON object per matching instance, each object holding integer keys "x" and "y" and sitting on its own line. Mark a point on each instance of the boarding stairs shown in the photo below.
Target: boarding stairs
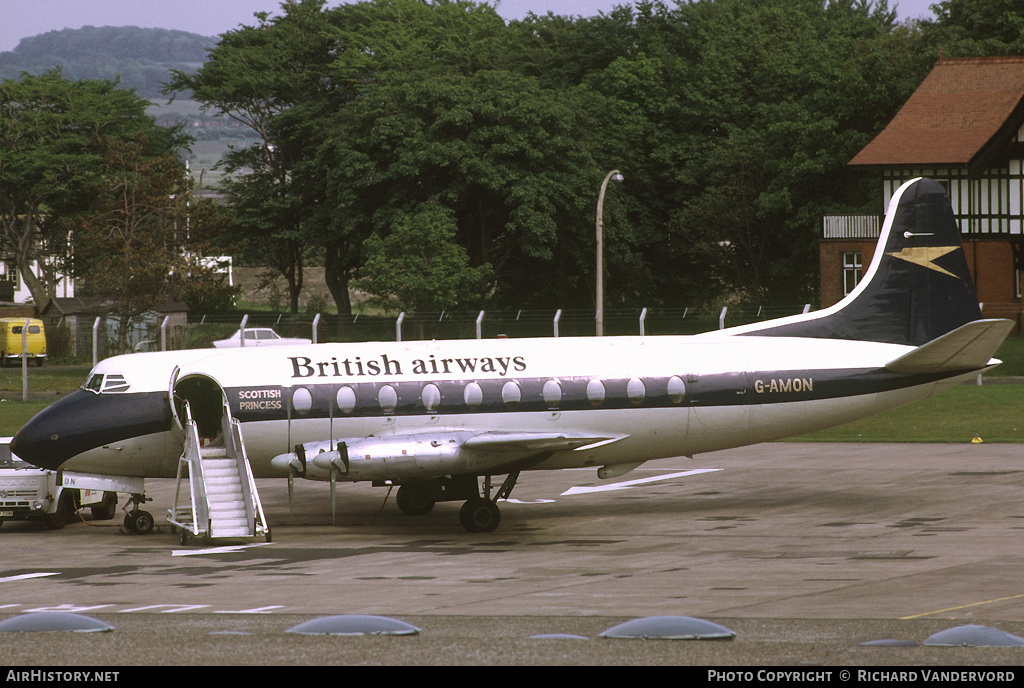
{"x": 222, "y": 500}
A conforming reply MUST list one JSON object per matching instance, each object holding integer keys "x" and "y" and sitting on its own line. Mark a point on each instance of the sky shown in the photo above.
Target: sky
{"x": 22, "y": 18}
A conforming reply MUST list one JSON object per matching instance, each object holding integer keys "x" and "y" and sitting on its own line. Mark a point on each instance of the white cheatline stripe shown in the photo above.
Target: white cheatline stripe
{"x": 634, "y": 483}
{"x": 27, "y": 576}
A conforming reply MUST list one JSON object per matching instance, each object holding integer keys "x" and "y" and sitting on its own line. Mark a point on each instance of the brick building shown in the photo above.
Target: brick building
{"x": 963, "y": 127}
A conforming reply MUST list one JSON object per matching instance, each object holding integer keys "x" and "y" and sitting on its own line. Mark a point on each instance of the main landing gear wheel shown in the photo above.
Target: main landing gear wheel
{"x": 415, "y": 499}
{"x": 139, "y": 522}
{"x": 479, "y": 515}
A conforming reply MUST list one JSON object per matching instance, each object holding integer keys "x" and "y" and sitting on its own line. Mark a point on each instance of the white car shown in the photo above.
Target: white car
{"x": 258, "y": 336}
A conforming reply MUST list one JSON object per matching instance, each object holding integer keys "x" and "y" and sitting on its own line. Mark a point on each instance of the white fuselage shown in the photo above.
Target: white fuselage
{"x": 653, "y": 397}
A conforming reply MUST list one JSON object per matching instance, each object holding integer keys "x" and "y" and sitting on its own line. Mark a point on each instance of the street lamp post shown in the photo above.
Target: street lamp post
{"x": 612, "y": 176}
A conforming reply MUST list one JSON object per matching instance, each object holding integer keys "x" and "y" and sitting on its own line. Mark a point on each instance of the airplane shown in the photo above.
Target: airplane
{"x": 442, "y": 419}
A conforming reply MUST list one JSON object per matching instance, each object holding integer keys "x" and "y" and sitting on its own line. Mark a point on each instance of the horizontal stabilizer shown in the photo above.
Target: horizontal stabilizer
{"x": 969, "y": 347}
{"x": 532, "y": 441}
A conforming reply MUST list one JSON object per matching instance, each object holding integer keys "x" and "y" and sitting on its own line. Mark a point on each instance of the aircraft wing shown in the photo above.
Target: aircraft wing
{"x": 534, "y": 441}
{"x": 970, "y": 346}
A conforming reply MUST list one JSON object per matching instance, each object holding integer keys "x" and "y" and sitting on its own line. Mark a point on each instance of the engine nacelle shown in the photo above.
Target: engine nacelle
{"x": 379, "y": 458}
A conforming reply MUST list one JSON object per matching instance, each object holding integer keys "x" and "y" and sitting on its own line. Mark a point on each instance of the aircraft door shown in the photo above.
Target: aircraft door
{"x": 205, "y": 398}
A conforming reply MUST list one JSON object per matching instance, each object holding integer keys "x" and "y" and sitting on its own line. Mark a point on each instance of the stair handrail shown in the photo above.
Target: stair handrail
{"x": 236, "y": 447}
{"x": 191, "y": 456}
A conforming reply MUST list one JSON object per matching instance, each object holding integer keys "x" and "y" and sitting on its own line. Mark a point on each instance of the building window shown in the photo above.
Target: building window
{"x": 852, "y": 270}
{"x": 9, "y": 274}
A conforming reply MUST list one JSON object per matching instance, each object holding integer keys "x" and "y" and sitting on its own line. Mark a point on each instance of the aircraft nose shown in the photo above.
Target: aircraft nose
{"x": 50, "y": 438}
{"x": 82, "y": 421}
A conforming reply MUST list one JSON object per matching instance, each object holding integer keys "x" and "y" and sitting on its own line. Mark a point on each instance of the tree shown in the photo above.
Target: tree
{"x": 782, "y": 94}
{"x": 255, "y": 75}
{"x": 380, "y": 43}
{"x": 50, "y": 134}
{"x": 976, "y": 28}
{"x": 508, "y": 159}
{"x": 418, "y": 267}
{"x": 292, "y": 76}
{"x": 712, "y": 109}
{"x": 138, "y": 241}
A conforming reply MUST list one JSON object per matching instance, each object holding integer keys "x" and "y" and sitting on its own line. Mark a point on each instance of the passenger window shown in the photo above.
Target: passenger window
{"x": 552, "y": 393}
{"x": 676, "y": 389}
{"x": 346, "y": 399}
{"x": 595, "y": 392}
{"x": 302, "y": 400}
{"x": 474, "y": 395}
{"x": 431, "y": 397}
{"x": 511, "y": 394}
{"x": 387, "y": 397}
{"x": 636, "y": 391}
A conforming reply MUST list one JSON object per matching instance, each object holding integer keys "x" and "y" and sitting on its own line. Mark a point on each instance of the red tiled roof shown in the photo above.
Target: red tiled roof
{"x": 959, "y": 108}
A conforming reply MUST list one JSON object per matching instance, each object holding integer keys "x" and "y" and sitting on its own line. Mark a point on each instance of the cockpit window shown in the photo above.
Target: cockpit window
{"x": 106, "y": 384}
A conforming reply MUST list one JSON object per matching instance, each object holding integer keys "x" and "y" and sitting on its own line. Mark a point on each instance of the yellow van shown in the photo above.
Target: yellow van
{"x": 11, "y": 332}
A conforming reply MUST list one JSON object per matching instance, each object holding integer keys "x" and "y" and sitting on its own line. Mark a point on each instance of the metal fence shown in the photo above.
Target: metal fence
{"x": 95, "y": 340}
{"x": 96, "y": 343}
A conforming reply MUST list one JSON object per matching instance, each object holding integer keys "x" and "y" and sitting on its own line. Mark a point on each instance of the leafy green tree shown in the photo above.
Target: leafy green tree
{"x": 782, "y": 95}
{"x": 732, "y": 120}
{"x": 380, "y": 45}
{"x": 508, "y": 158}
{"x": 137, "y": 243}
{"x": 976, "y": 28}
{"x": 51, "y": 134}
{"x": 254, "y": 76}
{"x": 418, "y": 267}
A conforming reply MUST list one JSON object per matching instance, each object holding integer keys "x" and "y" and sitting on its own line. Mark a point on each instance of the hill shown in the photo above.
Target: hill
{"x": 141, "y": 58}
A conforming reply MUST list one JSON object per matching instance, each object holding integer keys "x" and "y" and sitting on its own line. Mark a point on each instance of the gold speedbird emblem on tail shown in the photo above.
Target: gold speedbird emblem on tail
{"x": 925, "y": 256}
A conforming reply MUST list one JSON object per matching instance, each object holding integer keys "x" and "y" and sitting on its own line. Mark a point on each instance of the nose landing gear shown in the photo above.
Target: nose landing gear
{"x": 136, "y": 520}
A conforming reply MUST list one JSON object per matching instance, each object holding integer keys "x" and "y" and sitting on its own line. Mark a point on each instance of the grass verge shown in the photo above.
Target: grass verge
{"x": 14, "y": 414}
{"x": 55, "y": 379}
{"x": 992, "y": 412}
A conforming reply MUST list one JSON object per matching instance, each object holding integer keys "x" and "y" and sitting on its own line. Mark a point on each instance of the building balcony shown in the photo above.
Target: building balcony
{"x": 852, "y": 226}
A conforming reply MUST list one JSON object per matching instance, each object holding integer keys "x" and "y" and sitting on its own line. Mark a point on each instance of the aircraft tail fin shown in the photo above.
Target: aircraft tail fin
{"x": 917, "y": 288}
